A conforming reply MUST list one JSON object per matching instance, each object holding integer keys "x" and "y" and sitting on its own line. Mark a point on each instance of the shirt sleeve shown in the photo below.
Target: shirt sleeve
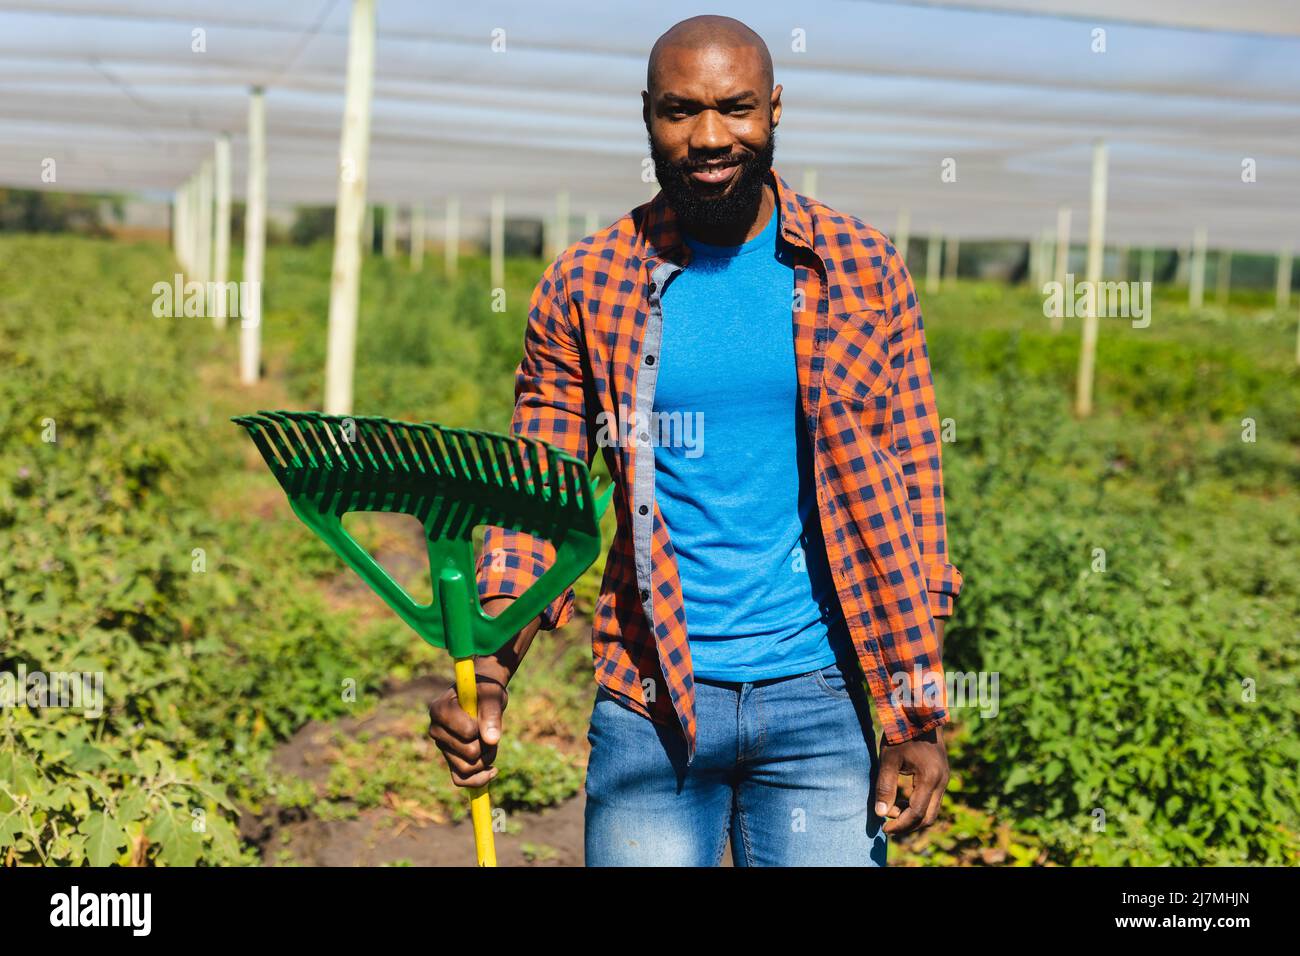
{"x": 549, "y": 406}
{"x": 916, "y": 436}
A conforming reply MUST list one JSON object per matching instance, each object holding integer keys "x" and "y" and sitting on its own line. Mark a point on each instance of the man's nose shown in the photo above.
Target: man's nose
{"x": 710, "y": 133}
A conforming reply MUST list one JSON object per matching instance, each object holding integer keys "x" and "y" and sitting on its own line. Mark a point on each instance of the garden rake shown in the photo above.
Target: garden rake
{"x": 452, "y": 480}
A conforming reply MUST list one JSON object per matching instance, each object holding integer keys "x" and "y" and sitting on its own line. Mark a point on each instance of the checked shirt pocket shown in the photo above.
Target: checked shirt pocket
{"x": 857, "y": 370}
{"x": 857, "y": 355}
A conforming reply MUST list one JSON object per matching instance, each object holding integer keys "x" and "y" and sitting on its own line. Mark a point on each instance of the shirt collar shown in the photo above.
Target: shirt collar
{"x": 663, "y": 236}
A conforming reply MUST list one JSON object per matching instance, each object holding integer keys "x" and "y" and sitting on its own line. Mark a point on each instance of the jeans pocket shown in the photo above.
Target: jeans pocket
{"x": 832, "y": 682}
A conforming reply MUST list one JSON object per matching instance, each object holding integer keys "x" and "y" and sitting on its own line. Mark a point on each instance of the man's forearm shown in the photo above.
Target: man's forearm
{"x": 503, "y": 664}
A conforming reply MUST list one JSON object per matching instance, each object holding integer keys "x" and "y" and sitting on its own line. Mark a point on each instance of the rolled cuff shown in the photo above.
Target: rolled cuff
{"x": 943, "y": 584}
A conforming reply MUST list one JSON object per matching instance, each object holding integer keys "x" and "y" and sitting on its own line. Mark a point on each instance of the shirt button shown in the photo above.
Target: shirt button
{"x": 645, "y": 595}
{"x": 644, "y": 509}
{"x": 649, "y": 360}
{"x": 644, "y": 438}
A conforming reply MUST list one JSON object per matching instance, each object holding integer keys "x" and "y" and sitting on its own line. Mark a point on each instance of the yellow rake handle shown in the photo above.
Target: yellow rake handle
{"x": 480, "y": 801}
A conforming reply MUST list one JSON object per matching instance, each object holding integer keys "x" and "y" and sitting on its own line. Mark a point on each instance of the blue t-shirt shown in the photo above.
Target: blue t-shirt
{"x": 737, "y": 495}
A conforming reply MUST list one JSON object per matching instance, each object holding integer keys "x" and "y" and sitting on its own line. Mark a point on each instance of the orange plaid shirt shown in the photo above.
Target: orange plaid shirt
{"x": 589, "y": 363}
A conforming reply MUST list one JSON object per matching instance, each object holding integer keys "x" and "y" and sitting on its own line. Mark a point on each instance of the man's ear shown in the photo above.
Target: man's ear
{"x": 775, "y": 105}
{"x": 645, "y": 109}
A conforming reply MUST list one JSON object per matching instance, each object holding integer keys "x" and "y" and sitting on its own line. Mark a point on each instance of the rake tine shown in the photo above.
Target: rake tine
{"x": 401, "y": 435}
{"x": 369, "y": 444}
{"x": 483, "y": 454}
{"x": 257, "y": 431}
{"x": 469, "y": 455}
{"x": 273, "y": 432}
{"x": 349, "y": 447}
{"x": 388, "y": 442}
{"x": 452, "y": 438}
{"x": 315, "y": 451}
{"x": 554, "y": 469}
{"x": 301, "y": 452}
{"x": 577, "y": 497}
{"x": 487, "y": 453}
{"x": 438, "y": 443}
{"x": 505, "y": 467}
{"x": 428, "y": 449}
{"x": 324, "y": 440}
{"x": 381, "y": 435}
{"x": 326, "y": 480}
{"x": 308, "y": 473}
{"x": 535, "y": 475}
{"x": 516, "y": 460}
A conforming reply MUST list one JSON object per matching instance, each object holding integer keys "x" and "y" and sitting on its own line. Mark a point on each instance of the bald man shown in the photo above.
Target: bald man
{"x": 753, "y": 368}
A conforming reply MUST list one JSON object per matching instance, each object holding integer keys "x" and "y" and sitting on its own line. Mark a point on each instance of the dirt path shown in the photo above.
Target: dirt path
{"x": 392, "y": 835}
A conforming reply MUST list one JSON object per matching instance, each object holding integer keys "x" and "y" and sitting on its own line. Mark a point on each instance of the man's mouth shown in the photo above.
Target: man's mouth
{"x": 714, "y": 174}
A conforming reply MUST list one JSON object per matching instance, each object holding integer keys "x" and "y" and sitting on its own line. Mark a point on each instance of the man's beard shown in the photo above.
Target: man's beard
{"x": 698, "y": 212}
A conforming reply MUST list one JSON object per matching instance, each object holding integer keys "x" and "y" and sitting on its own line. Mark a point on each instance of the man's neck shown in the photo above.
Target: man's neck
{"x": 740, "y": 232}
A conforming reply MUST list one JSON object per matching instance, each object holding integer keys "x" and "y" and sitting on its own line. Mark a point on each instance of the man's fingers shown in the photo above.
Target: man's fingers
{"x": 905, "y": 822}
{"x": 936, "y": 802}
{"x": 887, "y": 780}
{"x": 446, "y": 712}
{"x": 916, "y": 807}
{"x": 469, "y": 746}
{"x": 475, "y": 779}
{"x": 491, "y": 705}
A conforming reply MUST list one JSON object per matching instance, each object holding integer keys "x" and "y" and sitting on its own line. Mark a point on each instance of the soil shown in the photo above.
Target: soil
{"x": 383, "y": 835}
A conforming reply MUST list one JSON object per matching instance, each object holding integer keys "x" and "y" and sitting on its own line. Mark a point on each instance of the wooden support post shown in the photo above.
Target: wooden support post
{"x": 1148, "y": 274}
{"x": 497, "y": 240}
{"x": 250, "y": 303}
{"x": 1096, "y": 249}
{"x": 1223, "y": 278}
{"x": 809, "y": 182}
{"x": 183, "y": 228}
{"x": 1196, "y": 285}
{"x": 354, "y": 154}
{"x": 561, "y": 237}
{"x": 1062, "y": 266}
{"x": 592, "y": 224}
{"x": 451, "y": 237}
{"x": 933, "y": 254}
{"x": 219, "y": 302}
{"x": 203, "y": 256}
{"x": 417, "y": 237}
{"x": 1284, "y": 278}
{"x": 951, "y": 260}
{"x": 903, "y": 233}
{"x": 390, "y": 231}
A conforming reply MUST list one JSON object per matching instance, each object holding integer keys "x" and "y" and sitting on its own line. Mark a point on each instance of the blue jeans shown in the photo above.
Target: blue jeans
{"x": 785, "y": 767}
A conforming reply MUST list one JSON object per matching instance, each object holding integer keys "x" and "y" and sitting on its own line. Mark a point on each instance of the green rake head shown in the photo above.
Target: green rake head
{"x": 451, "y": 480}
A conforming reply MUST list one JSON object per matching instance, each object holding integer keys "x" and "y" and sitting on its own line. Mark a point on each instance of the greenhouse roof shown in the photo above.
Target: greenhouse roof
{"x": 1015, "y": 91}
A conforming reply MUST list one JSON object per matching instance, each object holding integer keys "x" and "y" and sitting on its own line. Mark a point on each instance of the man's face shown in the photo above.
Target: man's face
{"x": 712, "y": 128}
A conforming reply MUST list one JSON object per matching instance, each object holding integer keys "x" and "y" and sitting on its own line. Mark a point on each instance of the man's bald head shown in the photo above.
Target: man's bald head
{"x": 703, "y": 32}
